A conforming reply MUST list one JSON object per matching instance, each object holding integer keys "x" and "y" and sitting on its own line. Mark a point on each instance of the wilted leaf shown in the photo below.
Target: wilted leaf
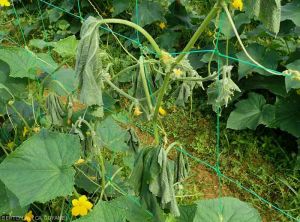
{"x": 41, "y": 168}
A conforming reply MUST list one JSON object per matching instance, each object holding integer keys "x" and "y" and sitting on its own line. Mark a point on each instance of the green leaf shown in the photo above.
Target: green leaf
{"x": 239, "y": 20}
{"x": 120, "y": 6}
{"x": 295, "y": 65}
{"x": 290, "y": 81}
{"x": 23, "y": 63}
{"x": 16, "y": 86}
{"x": 233, "y": 210}
{"x": 41, "y": 168}
{"x": 251, "y": 112}
{"x": 126, "y": 208}
{"x": 267, "y": 58}
{"x": 274, "y": 84}
{"x": 148, "y": 12}
{"x": 267, "y": 11}
{"x": 291, "y": 11}
{"x": 63, "y": 81}
{"x": 38, "y": 43}
{"x": 287, "y": 113}
{"x": 81, "y": 180}
{"x": 66, "y": 47}
{"x": 112, "y": 136}
{"x": 9, "y": 202}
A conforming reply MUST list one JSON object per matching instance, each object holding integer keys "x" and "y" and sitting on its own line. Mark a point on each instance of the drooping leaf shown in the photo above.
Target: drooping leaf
{"x": 112, "y": 136}
{"x": 291, "y": 11}
{"x": 23, "y": 63}
{"x": 126, "y": 208}
{"x": 251, "y": 112}
{"x": 232, "y": 210}
{"x": 89, "y": 68}
{"x": 287, "y": 113}
{"x": 153, "y": 180}
{"x": 265, "y": 57}
{"x": 148, "y": 12}
{"x": 267, "y": 11}
{"x": 41, "y": 168}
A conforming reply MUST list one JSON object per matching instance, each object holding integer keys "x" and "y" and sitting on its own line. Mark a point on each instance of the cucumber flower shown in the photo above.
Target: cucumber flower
{"x": 81, "y": 206}
{"x": 162, "y": 111}
{"x": 4, "y": 3}
{"x": 28, "y": 217}
{"x": 238, "y": 4}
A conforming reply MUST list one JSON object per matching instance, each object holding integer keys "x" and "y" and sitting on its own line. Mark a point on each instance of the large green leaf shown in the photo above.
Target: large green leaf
{"x": 126, "y": 208}
{"x": 267, "y": 58}
{"x": 23, "y": 63}
{"x": 251, "y": 112}
{"x": 148, "y": 12}
{"x": 288, "y": 113}
{"x": 112, "y": 136}
{"x": 267, "y": 11}
{"x": 232, "y": 210}
{"x": 291, "y": 11}
{"x": 41, "y": 168}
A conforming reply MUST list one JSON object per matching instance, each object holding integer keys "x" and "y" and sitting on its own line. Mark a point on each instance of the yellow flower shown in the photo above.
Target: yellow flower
{"x": 162, "y": 25}
{"x": 137, "y": 111}
{"x": 162, "y": 111}
{"x": 25, "y": 130}
{"x": 80, "y": 161}
{"x": 210, "y": 33}
{"x": 4, "y": 3}
{"x": 81, "y": 206}
{"x": 11, "y": 145}
{"x": 36, "y": 129}
{"x": 177, "y": 72}
{"x": 166, "y": 57}
{"x": 28, "y": 216}
{"x": 238, "y": 4}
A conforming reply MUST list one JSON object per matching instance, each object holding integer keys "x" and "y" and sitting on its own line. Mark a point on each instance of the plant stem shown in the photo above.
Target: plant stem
{"x": 145, "y": 85}
{"x": 224, "y": 5}
{"x": 136, "y": 27}
{"x": 120, "y": 91}
{"x": 190, "y": 44}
